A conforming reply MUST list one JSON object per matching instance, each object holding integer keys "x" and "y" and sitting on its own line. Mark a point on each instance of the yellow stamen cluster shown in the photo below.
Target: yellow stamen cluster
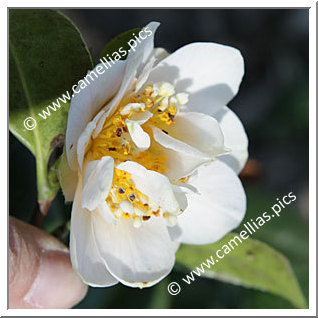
{"x": 114, "y": 140}
{"x": 123, "y": 190}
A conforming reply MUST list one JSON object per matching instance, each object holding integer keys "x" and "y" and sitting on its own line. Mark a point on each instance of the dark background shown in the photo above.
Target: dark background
{"x": 273, "y": 106}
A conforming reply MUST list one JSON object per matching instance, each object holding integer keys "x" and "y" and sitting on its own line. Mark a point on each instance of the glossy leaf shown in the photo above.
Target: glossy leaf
{"x": 47, "y": 57}
{"x": 250, "y": 264}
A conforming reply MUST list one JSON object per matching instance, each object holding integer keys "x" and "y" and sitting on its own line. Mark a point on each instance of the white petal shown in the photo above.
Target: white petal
{"x": 85, "y": 256}
{"x": 85, "y": 137}
{"x": 180, "y": 194}
{"x": 145, "y": 73}
{"x": 129, "y": 76}
{"x": 105, "y": 212}
{"x": 160, "y": 54}
{"x": 137, "y": 257}
{"x": 235, "y": 138}
{"x": 132, "y": 106}
{"x": 142, "y": 117}
{"x": 127, "y": 207}
{"x": 87, "y": 103}
{"x": 146, "y": 47}
{"x": 210, "y": 72}
{"x": 127, "y": 81}
{"x": 100, "y": 124}
{"x": 181, "y": 158}
{"x": 97, "y": 180}
{"x": 217, "y": 209}
{"x": 200, "y": 131}
{"x": 135, "y": 62}
{"x": 154, "y": 185}
{"x": 68, "y": 178}
{"x": 175, "y": 233}
{"x": 140, "y": 138}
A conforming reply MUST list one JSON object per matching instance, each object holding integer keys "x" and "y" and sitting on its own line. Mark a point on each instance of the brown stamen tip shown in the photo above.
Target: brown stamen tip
{"x": 125, "y": 129}
{"x": 132, "y": 197}
{"x": 165, "y": 131}
{"x": 170, "y": 116}
{"x": 145, "y": 218}
{"x": 121, "y": 190}
{"x": 112, "y": 148}
{"x": 119, "y": 132}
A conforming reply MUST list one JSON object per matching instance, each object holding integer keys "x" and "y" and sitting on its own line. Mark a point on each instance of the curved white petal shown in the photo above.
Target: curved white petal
{"x": 145, "y": 73}
{"x": 85, "y": 137}
{"x": 105, "y": 212}
{"x": 181, "y": 158}
{"x": 218, "y": 208}
{"x": 146, "y": 46}
{"x": 235, "y": 138}
{"x": 85, "y": 256}
{"x": 97, "y": 181}
{"x": 135, "y": 62}
{"x": 100, "y": 123}
{"x": 210, "y": 72}
{"x": 180, "y": 194}
{"x": 132, "y": 106}
{"x": 200, "y": 131}
{"x": 68, "y": 178}
{"x": 160, "y": 54}
{"x": 142, "y": 117}
{"x": 140, "y": 138}
{"x": 154, "y": 185}
{"x": 171, "y": 143}
{"x": 88, "y": 102}
{"x": 137, "y": 257}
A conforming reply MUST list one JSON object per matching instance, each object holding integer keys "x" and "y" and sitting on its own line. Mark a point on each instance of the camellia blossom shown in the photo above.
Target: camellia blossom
{"x": 152, "y": 157}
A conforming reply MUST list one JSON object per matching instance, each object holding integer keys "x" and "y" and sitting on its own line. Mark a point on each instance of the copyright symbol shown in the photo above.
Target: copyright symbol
{"x": 29, "y": 123}
{"x": 174, "y": 288}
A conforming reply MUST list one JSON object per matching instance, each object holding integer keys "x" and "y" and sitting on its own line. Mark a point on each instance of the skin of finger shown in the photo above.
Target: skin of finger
{"x": 26, "y": 246}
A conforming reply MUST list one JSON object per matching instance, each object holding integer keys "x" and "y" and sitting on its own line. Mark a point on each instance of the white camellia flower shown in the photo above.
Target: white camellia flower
{"x": 153, "y": 154}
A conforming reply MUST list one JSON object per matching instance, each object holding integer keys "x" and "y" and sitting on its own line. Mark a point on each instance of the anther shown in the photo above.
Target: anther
{"x": 119, "y": 132}
{"x": 171, "y": 116}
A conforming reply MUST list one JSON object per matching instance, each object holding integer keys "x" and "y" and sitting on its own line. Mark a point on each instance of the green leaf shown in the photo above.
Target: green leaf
{"x": 120, "y": 41}
{"x": 250, "y": 264}
{"x": 47, "y": 57}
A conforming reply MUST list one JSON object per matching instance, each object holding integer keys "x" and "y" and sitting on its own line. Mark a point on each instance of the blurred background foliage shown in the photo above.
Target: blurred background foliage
{"x": 273, "y": 106}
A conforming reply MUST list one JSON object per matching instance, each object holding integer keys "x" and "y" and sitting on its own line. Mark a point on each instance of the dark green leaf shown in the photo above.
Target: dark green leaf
{"x": 250, "y": 264}
{"x": 47, "y": 57}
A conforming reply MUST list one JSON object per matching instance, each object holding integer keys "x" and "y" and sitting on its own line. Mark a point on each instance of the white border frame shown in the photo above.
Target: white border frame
{"x": 312, "y": 165}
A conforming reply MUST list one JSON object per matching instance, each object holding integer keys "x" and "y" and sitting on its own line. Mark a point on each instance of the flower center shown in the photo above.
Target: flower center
{"x": 114, "y": 140}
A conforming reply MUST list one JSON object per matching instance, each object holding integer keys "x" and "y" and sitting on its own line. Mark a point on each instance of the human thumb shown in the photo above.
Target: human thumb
{"x": 40, "y": 272}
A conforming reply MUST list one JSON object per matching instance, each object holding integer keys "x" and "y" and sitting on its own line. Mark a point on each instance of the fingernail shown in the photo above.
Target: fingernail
{"x": 56, "y": 284}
